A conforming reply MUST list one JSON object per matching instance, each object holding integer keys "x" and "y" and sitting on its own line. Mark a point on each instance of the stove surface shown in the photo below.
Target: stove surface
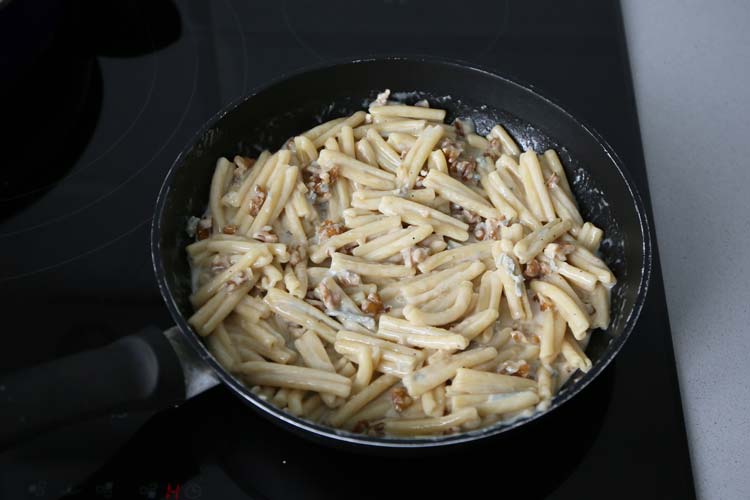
{"x": 131, "y": 86}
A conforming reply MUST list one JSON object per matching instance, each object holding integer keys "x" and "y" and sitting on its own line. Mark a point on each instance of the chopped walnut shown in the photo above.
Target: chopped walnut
{"x": 318, "y": 181}
{"x": 517, "y": 336}
{"x": 559, "y": 251}
{"x": 376, "y": 430}
{"x": 333, "y": 175}
{"x": 330, "y": 299}
{"x": 451, "y": 149}
{"x": 266, "y": 235}
{"x": 544, "y": 268}
{"x": 518, "y": 368}
{"x": 520, "y": 337}
{"x": 348, "y": 278}
{"x": 532, "y": 269}
{"x": 414, "y": 255}
{"x": 297, "y": 255}
{"x": 489, "y": 229}
{"x": 544, "y": 306}
{"x": 361, "y": 426}
{"x": 463, "y": 169}
{"x": 372, "y": 305}
{"x": 238, "y": 280}
{"x": 419, "y": 182}
{"x": 328, "y": 229}
{"x": 479, "y": 231}
{"x": 202, "y": 233}
{"x": 464, "y": 215}
{"x": 259, "y": 197}
{"x": 495, "y": 150}
{"x": 243, "y": 165}
{"x": 553, "y": 180}
{"x": 493, "y": 227}
{"x": 229, "y": 229}
{"x": 400, "y": 399}
{"x": 204, "y": 227}
{"x": 347, "y": 249}
{"x": 459, "y": 126}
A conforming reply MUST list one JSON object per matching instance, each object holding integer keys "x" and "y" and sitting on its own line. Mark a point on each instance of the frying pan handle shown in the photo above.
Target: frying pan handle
{"x": 141, "y": 371}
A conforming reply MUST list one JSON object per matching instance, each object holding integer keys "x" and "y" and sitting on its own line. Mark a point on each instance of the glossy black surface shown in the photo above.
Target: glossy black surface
{"x": 76, "y": 268}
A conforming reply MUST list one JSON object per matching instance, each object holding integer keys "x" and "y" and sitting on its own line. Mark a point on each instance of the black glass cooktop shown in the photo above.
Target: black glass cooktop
{"x": 100, "y": 119}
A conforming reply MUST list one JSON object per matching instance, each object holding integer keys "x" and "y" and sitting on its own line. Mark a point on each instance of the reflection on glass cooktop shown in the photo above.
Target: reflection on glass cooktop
{"x": 74, "y": 242}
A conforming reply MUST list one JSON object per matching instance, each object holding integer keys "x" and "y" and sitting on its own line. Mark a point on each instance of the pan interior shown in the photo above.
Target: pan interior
{"x": 268, "y": 118}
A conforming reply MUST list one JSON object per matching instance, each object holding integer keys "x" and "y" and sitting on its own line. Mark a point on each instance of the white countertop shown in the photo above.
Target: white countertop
{"x": 691, "y": 69}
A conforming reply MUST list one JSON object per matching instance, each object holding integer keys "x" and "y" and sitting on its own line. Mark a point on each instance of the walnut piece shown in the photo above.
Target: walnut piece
{"x": 414, "y": 255}
{"x": 372, "y": 305}
{"x": 400, "y": 399}
{"x": 330, "y": 299}
{"x": 463, "y": 169}
{"x": 346, "y": 249}
{"x": 553, "y": 180}
{"x": 518, "y": 368}
{"x": 328, "y": 229}
{"x": 243, "y": 165}
{"x": 480, "y": 231}
{"x": 319, "y": 181}
{"x": 544, "y": 268}
{"x": 544, "y": 304}
{"x": 459, "y": 126}
{"x": 464, "y": 215}
{"x": 376, "y": 430}
{"x": 229, "y": 229}
{"x": 202, "y": 233}
{"x": 204, "y": 227}
{"x": 348, "y": 278}
{"x": 520, "y": 337}
{"x": 297, "y": 254}
{"x": 259, "y": 197}
{"x": 238, "y": 280}
{"x": 361, "y": 426}
{"x": 532, "y": 269}
{"x": 451, "y": 149}
{"x": 559, "y": 251}
{"x": 495, "y": 150}
{"x": 266, "y": 235}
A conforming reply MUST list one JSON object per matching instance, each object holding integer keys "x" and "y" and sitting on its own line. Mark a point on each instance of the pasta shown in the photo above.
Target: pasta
{"x": 389, "y": 274}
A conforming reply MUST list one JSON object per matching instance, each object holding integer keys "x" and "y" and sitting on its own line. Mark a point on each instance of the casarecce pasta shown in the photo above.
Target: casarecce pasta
{"x": 389, "y": 274}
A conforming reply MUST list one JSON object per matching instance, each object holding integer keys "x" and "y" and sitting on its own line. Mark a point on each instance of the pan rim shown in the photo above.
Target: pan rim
{"x": 328, "y": 433}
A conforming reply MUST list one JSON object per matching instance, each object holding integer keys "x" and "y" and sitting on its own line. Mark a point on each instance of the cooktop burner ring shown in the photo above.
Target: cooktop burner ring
{"x": 496, "y": 29}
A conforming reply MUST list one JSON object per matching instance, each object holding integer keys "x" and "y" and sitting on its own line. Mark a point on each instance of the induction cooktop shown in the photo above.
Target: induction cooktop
{"x": 101, "y": 118}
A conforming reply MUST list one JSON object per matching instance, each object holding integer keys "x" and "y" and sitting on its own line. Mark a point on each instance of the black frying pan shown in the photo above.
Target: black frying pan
{"x": 154, "y": 369}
